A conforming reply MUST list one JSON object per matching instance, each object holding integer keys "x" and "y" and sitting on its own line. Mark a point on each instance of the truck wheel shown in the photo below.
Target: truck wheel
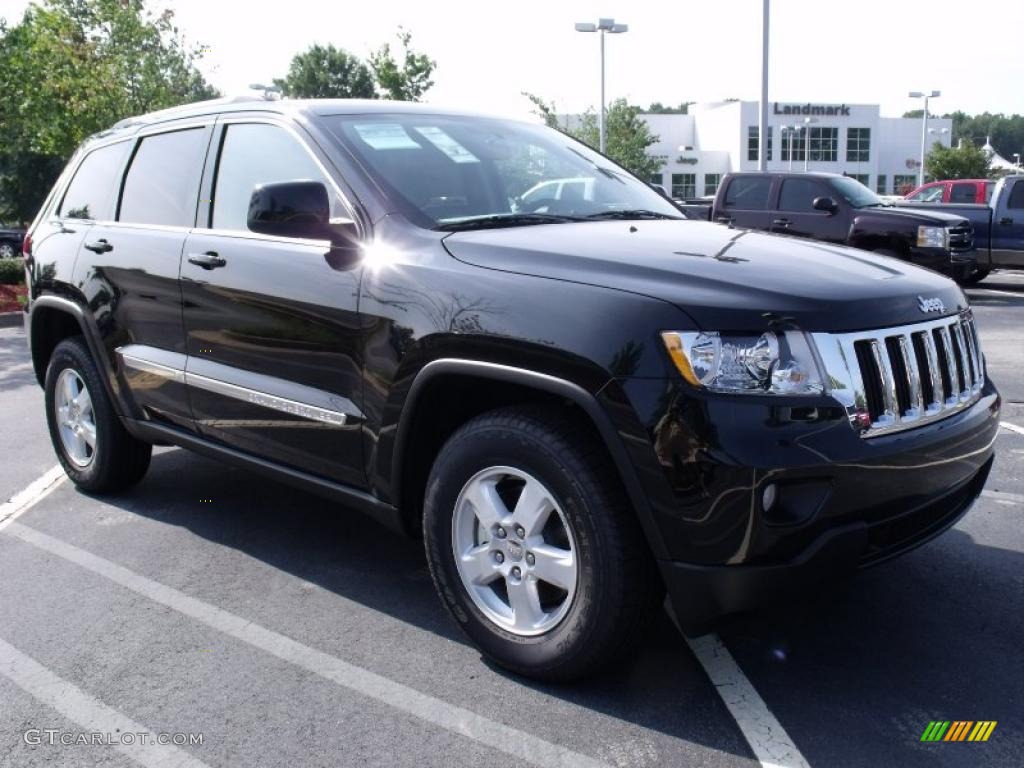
{"x": 7, "y": 251}
{"x": 532, "y": 546}
{"x": 975, "y": 277}
{"x": 93, "y": 446}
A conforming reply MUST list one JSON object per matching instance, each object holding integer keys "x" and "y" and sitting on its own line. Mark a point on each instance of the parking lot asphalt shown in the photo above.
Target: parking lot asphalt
{"x": 288, "y": 632}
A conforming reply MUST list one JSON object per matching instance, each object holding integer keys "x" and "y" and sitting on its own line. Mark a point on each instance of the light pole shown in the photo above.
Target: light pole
{"x": 788, "y": 131}
{"x": 807, "y": 139}
{"x": 602, "y": 26}
{"x": 924, "y": 127}
{"x": 762, "y": 135}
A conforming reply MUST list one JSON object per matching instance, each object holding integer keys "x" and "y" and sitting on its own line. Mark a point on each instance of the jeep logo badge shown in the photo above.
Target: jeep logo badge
{"x": 930, "y": 305}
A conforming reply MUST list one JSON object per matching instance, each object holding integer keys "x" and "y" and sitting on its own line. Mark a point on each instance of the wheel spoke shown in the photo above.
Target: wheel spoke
{"x": 533, "y": 508}
{"x": 84, "y": 402}
{"x": 487, "y": 504}
{"x": 555, "y": 566}
{"x": 89, "y": 434}
{"x": 525, "y": 602}
{"x": 478, "y": 564}
{"x": 78, "y": 446}
{"x": 69, "y": 388}
{"x": 62, "y": 415}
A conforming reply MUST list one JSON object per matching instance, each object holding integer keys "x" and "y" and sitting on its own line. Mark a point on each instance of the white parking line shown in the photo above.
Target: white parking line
{"x": 518, "y": 744}
{"x": 765, "y": 734}
{"x": 36, "y": 491}
{"x": 1006, "y": 498}
{"x": 91, "y": 715}
{"x": 1012, "y": 427}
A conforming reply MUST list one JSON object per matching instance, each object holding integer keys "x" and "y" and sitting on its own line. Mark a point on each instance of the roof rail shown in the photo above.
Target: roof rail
{"x": 149, "y": 117}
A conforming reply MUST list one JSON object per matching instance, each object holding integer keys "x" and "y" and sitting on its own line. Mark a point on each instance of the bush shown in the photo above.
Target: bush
{"x": 12, "y": 272}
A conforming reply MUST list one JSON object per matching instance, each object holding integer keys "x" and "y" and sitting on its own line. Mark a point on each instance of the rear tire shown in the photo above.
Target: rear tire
{"x": 91, "y": 443}
{"x": 599, "y": 596}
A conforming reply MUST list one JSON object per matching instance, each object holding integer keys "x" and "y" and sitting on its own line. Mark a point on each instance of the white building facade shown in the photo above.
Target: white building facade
{"x": 714, "y": 139}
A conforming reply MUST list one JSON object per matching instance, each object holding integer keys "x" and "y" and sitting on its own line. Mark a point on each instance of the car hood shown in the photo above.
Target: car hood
{"x": 724, "y": 279}
{"x": 926, "y": 216}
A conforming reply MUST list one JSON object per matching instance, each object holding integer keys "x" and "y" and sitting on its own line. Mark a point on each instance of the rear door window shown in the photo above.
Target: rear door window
{"x": 162, "y": 187}
{"x": 963, "y": 193}
{"x": 748, "y": 193}
{"x": 1016, "y": 200}
{"x": 93, "y": 189}
{"x": 798, "y": 195}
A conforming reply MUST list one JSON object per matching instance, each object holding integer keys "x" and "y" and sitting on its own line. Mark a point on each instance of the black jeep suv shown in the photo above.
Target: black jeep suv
{"x": 577, "y": 400}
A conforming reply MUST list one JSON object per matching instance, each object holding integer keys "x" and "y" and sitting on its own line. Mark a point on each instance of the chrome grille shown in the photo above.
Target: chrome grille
{"x": 899, "y": 378}
{"x": 961, "y": 237}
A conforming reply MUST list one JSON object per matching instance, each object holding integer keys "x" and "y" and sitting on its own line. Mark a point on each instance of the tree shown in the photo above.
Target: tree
{"x": 658, "y": 108}
{"x": 627, "y": 136}
{"x": 71, "y": 68}
{"x": 407, "y": 81}
{"x": 326, "y": 72}
{"x": 963, "y": 162}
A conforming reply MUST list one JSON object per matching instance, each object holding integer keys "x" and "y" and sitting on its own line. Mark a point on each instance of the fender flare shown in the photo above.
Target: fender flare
{"x": 547, "y": 383}
{"x": 92, "y": 340}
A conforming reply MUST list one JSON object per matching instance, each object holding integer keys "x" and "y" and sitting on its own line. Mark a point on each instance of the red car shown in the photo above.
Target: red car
{"x": 958, "y": 191}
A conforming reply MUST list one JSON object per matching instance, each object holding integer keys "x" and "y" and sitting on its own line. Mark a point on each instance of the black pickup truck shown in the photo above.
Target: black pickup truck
{"x": 575, "y": 400}
{"x": 838, "y": 209}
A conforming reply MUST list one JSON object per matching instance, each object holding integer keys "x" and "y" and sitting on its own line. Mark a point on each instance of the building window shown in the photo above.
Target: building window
{"x": 880, "y": 186}
{"x": 858, "y": 145}
{"x": 655, "y": 178}
{"x": 824, "y": 144}
{"x": 684, "y": 185}
{"x": 863, "y": 178}
{"x": 711, "y": 182}
{"x": 795, "y": 138}
{"x": 753, "y": 143}
{"x": 902, "y": 184}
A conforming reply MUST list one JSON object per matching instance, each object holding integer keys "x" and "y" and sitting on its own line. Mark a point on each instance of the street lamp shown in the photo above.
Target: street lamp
{"x": 807, "y": 138}
{"x": 924, "y": 127}
{"x": 788, "y": 131}
{"x": 602, "y": 26}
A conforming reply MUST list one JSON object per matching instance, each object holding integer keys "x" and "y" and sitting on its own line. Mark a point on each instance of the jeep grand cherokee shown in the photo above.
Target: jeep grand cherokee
{"x": 577, "y": 400}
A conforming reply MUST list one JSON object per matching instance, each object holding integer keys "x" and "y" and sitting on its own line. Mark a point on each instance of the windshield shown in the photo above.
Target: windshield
{"x": 444, "y": 171}
{"x": 855, "y": 193}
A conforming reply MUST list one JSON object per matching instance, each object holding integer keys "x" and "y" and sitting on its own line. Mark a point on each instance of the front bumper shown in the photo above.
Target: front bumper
{"x": 954, "y": 263}
{"x": 839, "y": 501}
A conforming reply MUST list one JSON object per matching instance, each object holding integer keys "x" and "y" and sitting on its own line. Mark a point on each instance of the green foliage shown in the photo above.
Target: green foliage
{"x": 963, "y": 162}
{"x": 658, "y": 108}
{"x": 326, "y": 72}
{"x": 12, "y": 272}
{"x": 71, "y": 68}
{"x": 627, "y": 136}
{"x": 405, "y": 81}
{"x": 1006, "y": 132}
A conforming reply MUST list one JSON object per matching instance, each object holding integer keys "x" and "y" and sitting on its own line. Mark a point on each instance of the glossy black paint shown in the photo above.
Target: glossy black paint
{"x": 569, "y": 311}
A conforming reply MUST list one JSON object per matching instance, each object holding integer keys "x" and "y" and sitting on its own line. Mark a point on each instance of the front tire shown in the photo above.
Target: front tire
{"x": 91, "y": 443}
{"x": 532, "y": 546}
{"x": 975, "y": 277}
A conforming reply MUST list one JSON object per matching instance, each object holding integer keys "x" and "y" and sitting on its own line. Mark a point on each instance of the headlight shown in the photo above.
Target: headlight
{"x": 773, "y": 363}
{"x": 932, "y": 237}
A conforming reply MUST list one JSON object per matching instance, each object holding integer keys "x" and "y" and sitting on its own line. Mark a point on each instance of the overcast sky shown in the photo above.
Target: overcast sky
{"x": 856, "y": 51}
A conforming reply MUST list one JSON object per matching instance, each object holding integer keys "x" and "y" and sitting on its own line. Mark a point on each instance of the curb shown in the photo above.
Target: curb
{"x": 11, "y": 319}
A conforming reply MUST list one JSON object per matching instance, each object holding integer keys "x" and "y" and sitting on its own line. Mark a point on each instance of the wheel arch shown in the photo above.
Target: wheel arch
{"x": 416, "y": 442}
{"x": 53, "y": 319}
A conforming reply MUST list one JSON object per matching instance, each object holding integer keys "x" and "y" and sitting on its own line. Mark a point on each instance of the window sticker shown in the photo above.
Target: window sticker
{"x": 455, "y": 151}
{"x": 385, "y": 136}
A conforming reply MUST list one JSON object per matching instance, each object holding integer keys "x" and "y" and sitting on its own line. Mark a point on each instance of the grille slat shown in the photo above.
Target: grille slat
{"x": 898, "y": 378}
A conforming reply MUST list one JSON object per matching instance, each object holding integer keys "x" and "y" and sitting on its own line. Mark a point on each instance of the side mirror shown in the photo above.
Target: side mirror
{"x": 660, "y": 190}
{"x": 826, "y": 204}
{"x": 291, "y": 209}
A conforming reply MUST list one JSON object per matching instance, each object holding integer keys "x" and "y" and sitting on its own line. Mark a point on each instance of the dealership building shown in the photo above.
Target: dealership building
{"x": 854, "y": 139}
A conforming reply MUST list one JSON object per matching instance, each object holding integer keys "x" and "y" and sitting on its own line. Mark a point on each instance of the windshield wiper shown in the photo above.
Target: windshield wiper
{"x": 632, "y": 213}
{"x": 503, "y": 220}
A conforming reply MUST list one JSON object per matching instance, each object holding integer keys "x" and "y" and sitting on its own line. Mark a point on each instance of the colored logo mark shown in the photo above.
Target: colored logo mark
{"x": 958, "y": 730}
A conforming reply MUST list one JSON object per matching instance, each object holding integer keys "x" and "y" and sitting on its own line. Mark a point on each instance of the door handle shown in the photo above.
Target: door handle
{"x": 1006, "y": 220}
{"x": 724, "y": 220}
{"x": 780, "y": 222}
{"x": 99, "y": 246}
{"x": 208, "y": 260}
